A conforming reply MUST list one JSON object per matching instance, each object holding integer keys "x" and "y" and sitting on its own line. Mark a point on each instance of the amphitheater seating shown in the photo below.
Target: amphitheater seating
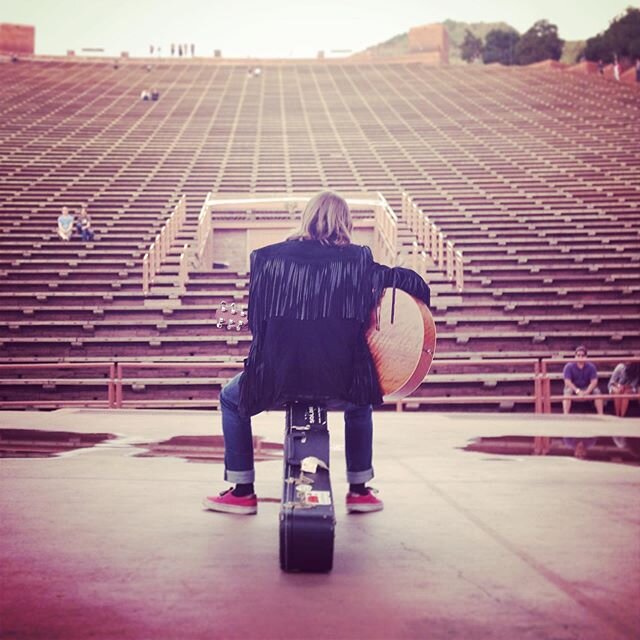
{"x": 532, "y": 172}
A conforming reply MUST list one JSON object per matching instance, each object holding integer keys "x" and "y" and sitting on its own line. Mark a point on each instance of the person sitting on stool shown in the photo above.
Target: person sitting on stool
{"x": 310, "y": 304}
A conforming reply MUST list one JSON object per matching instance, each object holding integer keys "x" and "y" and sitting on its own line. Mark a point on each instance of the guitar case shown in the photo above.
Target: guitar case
{"x": 307, "y": 516}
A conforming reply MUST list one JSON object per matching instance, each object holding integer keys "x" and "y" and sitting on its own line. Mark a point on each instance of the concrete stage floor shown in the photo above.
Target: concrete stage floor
{"x": 100, "y": 543}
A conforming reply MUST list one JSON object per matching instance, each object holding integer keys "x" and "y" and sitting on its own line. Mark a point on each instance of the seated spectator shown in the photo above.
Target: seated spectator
{"x": 83, "y": 225}
{"x": 624, "y": 380}
{"x": 145, "y": 95}
{"x": 580, "y": 379}
{"x": 65, "y": 224}
{"x": 155, "y": 94}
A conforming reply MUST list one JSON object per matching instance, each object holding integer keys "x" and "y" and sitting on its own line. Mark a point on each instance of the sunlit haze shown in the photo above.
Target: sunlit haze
{"x": 284, "y": 28}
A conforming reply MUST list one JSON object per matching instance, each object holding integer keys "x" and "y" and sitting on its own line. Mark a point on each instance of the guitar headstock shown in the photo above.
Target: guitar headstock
{"x": 232, "y": 316}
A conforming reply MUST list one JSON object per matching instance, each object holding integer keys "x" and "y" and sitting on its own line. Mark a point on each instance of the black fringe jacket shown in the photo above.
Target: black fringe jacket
{"x": 309, "y": 307}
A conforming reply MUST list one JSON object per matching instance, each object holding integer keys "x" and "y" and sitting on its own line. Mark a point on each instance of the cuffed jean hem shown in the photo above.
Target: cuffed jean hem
{"x": 240, "y": 477}
{"x": 359, "y": 477}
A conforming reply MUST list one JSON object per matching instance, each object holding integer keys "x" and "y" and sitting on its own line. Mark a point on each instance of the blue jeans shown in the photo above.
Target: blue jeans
{"x": 238, "y": 439}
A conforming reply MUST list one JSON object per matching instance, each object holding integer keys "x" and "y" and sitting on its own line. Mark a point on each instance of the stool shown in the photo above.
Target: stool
{"x": 307, "y": 516}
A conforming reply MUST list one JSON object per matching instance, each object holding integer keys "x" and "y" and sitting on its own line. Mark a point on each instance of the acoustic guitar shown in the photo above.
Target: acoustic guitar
{"x": 403, "y": 350}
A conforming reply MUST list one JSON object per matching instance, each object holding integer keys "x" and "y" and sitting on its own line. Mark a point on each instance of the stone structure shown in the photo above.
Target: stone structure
{"x": 17, "y": 38}
{"x": 430, "y": 41}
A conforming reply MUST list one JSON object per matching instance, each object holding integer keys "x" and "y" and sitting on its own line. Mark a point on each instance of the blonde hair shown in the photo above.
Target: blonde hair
{"x": 326, "y": 218}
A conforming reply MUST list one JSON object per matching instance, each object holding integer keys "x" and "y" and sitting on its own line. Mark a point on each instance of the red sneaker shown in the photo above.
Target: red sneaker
{"x": 228, "y": 503}
{"x": 362, "y": 504}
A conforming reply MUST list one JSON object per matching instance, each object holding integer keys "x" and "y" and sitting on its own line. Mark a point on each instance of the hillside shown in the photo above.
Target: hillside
{"x": 399, "y": 44}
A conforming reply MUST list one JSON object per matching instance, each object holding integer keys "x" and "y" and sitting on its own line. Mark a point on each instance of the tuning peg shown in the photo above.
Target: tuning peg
{"x": 232, "y": 308}
{"x": 239, "y": 325}
{"x": 223, "y": 307}
{"x": 220, "y": 323}
{"x": 243, "y": 313}
{"x": 230, "y": 325}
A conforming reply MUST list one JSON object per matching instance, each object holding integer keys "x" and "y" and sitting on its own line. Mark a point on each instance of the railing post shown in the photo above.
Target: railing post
{"x": 546, "y": 387}
{"x": 183, "y": 272}
{"x": 118, "y": 380}
{"x": 199, "y": 233}
{"x": 182, "y": 205}
{"x": 171, "y": 227}
{"x": 425, "y": 262}
{"x": 152, "y": 261}
{"x": 394, "y": 234}
{"x": 163, "y": 245}
{"x": 209, "y": 245}
{"x": 405, "y": 209}
{"x": 537, "y": 387}
{"x": 145, "y": 274}
{"x": 413, "y": 216}
{"x": 433, "y": 241}
{"x": 111, "y": 388}
{"x": 157, "y": 254}
{"x": 449, "y": 260}
{"x": 459, "y": 271}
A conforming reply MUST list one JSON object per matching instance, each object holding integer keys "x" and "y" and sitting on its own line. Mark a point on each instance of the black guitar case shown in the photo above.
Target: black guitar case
{"x": 307, "y": 516}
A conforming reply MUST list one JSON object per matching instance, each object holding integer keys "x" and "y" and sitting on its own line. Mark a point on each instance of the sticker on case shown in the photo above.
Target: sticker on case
{"x": 320, "y": 498}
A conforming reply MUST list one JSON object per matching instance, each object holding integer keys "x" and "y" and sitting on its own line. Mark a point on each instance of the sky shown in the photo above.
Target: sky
{"x": 278, "y": 28}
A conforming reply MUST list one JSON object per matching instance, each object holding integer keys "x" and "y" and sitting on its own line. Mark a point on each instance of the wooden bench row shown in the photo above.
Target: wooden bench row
{"x": 232, "y": 342}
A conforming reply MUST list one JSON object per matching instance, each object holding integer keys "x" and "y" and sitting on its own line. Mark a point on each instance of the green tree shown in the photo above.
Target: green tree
{"x": 471, "y": 47}
{"x": 499, "y": 46}
{"x": 540, "y": 42}
{"x": 622, "y": 38}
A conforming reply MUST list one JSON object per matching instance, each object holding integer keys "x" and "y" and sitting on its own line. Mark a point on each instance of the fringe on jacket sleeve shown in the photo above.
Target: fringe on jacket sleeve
{"x": 303, "y": 282}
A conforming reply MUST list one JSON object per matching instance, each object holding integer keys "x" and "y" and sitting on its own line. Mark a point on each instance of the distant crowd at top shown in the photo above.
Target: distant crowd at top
{"x": 179, "y": 50}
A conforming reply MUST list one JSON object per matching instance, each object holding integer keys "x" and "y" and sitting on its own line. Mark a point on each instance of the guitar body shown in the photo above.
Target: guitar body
{"x": 402, "y": 351}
